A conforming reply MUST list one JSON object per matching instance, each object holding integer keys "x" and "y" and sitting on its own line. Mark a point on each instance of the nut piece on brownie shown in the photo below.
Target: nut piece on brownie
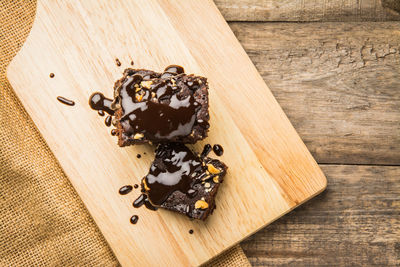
{"x": 160, "y": 107}
{"x": 181, "y": 181}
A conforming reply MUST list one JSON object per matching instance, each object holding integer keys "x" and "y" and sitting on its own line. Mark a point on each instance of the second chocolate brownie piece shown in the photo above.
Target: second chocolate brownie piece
{"x": 181, "y": 181}
{"x": 160, "y": 107}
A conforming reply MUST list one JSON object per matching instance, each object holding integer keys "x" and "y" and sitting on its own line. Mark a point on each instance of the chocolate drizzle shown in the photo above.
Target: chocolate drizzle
{"x": 158, "y": 107}
{"x": 108, "y": 121}
{"x": 65, "y": 101}
{"x": 165, "y": 118}
{"x": 98, "y": 101}
{"x": 143, "y": 200}
{"x": 125, "y": 189}
{"x": 171, "y": 174}
{"x": 134, "y": 219}
{"x": 218, "y": 150}
{"x": 101, "y": 113}
{"x": 206, "y": 150}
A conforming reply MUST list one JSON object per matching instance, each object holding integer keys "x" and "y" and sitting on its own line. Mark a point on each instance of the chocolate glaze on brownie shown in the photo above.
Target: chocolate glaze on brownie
{"x": 160, "y": 107}
{"x": 181, "y": 181}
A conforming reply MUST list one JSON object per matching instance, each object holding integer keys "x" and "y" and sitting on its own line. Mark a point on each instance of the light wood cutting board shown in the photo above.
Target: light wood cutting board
{"x": 270, "y": 169}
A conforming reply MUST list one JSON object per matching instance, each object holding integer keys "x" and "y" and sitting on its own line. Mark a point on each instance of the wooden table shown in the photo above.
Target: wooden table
{"x": 337, "y": 77}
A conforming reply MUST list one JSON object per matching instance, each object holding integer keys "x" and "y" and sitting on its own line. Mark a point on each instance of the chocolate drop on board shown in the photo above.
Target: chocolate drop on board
{"x": 125, "y": 189}
{"x": 98, "y": 101}
{"x": 136, "y": 186}
{"x": 218, "y": 150}
{"x": 65, "y": 101}
{"x": 132, "y": 63}
{"x": 134, "y": 219}
{"x": 108, "y": 121}
{"x": 114, "y": 132}
{"x": 118, "y": 62}
{"x": 191, "y": 231}
{"x": 51, "y": 75}
{"x": 101, "y": 113}
{"x": 138, "y": 156}
{"x": 206, "y": 150}
{"x": 139, "y": 201}
{"x": 142, "y": 199}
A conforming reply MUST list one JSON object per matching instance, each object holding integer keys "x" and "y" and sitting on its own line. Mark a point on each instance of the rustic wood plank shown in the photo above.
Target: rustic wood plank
{"x": 310, "y": 10}
{"x": 337, "y": 82}
{"x": 355, "y": 222}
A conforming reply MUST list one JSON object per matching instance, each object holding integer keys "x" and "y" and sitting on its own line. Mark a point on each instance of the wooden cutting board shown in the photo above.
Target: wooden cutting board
{"x": 270, "y": 169}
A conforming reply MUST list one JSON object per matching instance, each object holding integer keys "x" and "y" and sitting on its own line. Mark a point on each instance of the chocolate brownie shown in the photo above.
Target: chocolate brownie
{"x": 160, "y": 107}
{"x": 182, "y": 181}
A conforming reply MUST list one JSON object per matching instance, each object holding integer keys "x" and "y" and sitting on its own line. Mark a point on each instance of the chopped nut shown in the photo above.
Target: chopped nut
{"x": 205, "y": 177}
{"x": 200, "y": 204}
{"x": 153, "y": 94}
{"x": 216, "y": 179}
{"x": 211, "y": 168}
{"x": 139, "y": 97}
{"x": 138, "y": 89}
{"x": 146, "y": 84}
{"x": 138, "y": 136}
{"x": 207, "y": 185}
{"x": 145, "y": 185}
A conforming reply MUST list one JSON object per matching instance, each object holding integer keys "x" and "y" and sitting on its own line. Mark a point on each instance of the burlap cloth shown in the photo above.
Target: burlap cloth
{"x": 43, "y": 222}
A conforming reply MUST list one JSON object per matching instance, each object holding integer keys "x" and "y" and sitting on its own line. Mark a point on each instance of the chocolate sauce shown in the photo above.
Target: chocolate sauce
{"x": 138, "y": 156}
{"x": 114, "y": 132}
{"x": 172, "y": 173}
{"x": 218, "y": 150}
{"x": 134, "y": 219}
{"x": 139, "y": 201}
{"x": 125, "y": 189}
{"x": 135, "y": 186}
{"x": 167, "y": 117}
{"x": 51, "y": 75}
{"x": 108, "y": 121}
{"x": 206, "y": 150}
{"x": 98, "y": 101}
{"x": 191, "y": 231}
{"x": 142, "y": 200}
{"x": 118, "y": 62}
{"x": 65, "y": 101}
{"x": 101, "y": 113}
{"x": 148, "y": 205}
{"x": 175, "y": 69}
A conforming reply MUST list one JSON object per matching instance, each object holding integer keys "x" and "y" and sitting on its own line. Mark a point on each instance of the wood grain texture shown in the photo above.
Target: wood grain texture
{"x": 337, "y": 82}
{"x": 355, "y": 222}
{"x": 309, "y": 10}
{"x": 270, "y": 169}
